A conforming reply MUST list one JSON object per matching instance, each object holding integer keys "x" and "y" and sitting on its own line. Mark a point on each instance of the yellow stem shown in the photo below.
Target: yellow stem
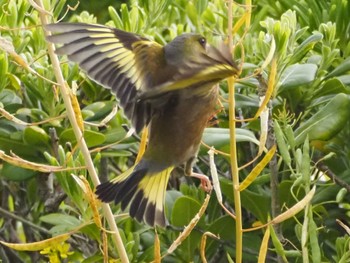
{"x": 233, "y": 149}
{"x": 79, "y": 136}
{"x": 234, "y": 171}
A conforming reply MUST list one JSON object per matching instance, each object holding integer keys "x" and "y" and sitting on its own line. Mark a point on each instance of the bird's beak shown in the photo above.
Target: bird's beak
{"x": 221, "y": 55}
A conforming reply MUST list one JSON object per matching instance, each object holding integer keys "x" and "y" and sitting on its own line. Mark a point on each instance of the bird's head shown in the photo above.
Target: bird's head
{"x": 190, "y": 51}
{"x": 185, "y": 47}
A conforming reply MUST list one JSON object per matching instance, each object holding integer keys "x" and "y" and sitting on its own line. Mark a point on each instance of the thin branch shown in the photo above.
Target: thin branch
{"x": 8, "y": 214}
{"x": 325, "y": 169}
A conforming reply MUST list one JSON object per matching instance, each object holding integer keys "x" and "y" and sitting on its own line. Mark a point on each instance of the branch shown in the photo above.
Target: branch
{"x": 325, "y": 169}
{"x": 8, "y": 214}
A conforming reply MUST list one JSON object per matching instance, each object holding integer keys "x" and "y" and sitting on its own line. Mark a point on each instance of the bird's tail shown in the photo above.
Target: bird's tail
{"x": 144, "y": 191}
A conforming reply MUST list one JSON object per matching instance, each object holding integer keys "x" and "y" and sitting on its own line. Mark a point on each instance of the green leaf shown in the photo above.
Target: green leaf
{"x": 60, "y": 219}
{"x": 93, "y": 259}
{"x": 201, "y": 5}
{"x": 116, "y": 153}
{"x": 16, "y": 173}
{"x": 115, "y": 17}
{"x": 327, "y": 122}
{"x": 60, "y": 5}
{"x": 92, "y": 138}
{"x": 192, "y": 13}
{"x": 15, "y": 81}
{"x": 36, "y": 136}
{"x": 341, "y": 69}
{"x": 184, "y": 210}
{"x": 11, "y": 140}
{"x": 256, "y": 202}
{"x": 208, "y": 17}
{"x": 187, "y": 207}
{"x": 332, "y": 86}
{"x": 62, "y": 222}
{"x": 9, "y": 97}
{"x": 92, "y": 231}
{"x": 305, "y": 47}
{"x": 100, "y": 109}
{"x": 116, "y": 134}
{"x": 125, "y": 17}
{"x": 297, "y": 75}
{"x": 3, "y": 70}
{"x": 345, "y": 79}
{"x": 223, "y": 227}
{"x": 220, "y": 137}
{"x": 170, "y": 199}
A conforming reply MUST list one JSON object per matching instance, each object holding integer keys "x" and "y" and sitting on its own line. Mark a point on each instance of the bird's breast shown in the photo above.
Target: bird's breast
{"x": 176, "y": 130}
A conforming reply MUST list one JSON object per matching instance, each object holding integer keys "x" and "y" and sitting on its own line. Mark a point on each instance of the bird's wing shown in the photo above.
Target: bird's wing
{"x": 119, "y": 60}
{"x": 211, "y": 74}
{"x": 209, "y": 67}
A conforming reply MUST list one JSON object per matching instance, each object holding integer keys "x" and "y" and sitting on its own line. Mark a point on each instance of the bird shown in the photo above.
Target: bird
{"x": 172, "y": 89}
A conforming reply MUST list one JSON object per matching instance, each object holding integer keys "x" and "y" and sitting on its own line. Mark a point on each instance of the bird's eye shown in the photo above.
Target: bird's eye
{"x": 202, "y": 41}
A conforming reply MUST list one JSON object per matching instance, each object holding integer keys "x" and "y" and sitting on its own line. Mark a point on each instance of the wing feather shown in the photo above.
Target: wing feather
{"x": 121, "y": 61}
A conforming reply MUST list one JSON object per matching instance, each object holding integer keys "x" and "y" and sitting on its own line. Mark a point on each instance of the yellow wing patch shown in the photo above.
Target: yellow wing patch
{"x": 114, "y": 58}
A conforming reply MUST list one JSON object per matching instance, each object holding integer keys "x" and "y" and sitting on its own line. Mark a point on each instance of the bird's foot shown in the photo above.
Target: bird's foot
{"x": 205, "y": 182}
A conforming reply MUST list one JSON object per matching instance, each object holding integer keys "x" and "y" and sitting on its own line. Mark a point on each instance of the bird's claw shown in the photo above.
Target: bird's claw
{"x": 205, "y": 182}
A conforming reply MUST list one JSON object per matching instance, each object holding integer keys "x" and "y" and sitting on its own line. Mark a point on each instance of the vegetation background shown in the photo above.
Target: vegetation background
{"x": 300, "y": 50}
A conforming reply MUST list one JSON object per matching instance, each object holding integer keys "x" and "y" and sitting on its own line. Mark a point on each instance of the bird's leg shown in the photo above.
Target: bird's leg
{"x": 205, "y": 182}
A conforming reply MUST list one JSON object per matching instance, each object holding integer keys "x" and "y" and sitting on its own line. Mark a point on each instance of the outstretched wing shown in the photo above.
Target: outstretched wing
{"x": 122, "y": 61}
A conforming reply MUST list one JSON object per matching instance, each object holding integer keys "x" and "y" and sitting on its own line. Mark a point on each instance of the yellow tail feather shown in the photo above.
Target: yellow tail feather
{"x": 154, "y": 187}
{"x": 142, "y": 190}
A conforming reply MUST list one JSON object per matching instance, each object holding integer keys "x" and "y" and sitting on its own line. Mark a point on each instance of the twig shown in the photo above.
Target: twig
{"x": 8, "y": 214}
{"x": 324, "y": 168}
{"x": 12, "y": 118}
{"x": 17, "y": 161}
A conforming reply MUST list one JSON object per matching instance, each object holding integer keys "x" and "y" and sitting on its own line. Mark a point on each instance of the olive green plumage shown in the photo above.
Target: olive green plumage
{"x": 171, "y": 89}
